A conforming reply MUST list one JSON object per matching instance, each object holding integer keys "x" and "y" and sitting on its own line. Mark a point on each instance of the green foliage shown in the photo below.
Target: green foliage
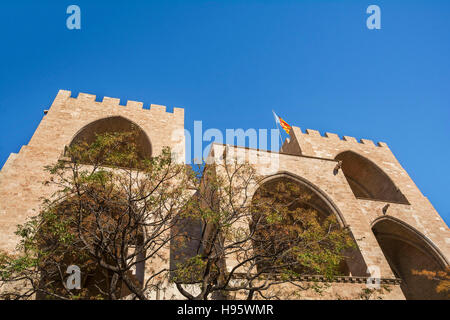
{"x": 111, "y": 198}
{"x": 190, "y": 270}
{"x": 106, "y": 194}
{"x": 374, "y": 293}
{"x": 267, "y": 238}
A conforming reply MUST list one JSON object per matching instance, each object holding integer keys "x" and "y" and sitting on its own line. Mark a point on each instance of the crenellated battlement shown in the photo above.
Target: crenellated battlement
{"x": 358, "y": 181}
{"x": 115, "y": 102}
{"x": 336, "y": 137}
{"x": 312, "y": 143}
{"x": 69, "y": 115}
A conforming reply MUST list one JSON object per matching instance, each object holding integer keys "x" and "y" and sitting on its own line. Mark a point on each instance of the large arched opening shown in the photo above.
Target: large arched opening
{"x": 407, "y": 250}
{"x": 367, "y": 180}
{"x": 310, "y": 199}
{"x": 70, "y": 235}
{"x": 114, "y": 124}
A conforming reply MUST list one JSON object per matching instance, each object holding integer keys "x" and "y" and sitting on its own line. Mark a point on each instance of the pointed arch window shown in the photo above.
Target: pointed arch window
{"x": 407, "y": 250}
{"x": 297, "y": 198}
{"x": 367, "y": 180}
{"x": 111, "y": 125}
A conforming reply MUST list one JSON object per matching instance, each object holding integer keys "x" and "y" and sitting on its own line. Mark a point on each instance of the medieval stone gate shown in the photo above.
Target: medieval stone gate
{"x": 394, "y": 225}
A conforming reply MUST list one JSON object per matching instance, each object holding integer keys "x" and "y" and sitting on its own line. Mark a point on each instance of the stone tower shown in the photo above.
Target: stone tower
{"x": 68, "y": 120}
{"x": 394, "y": 225}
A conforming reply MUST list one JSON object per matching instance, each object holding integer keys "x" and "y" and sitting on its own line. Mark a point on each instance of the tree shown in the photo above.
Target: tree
{"x": 442, "y": 277}
{"x": 112, "y": 211}
{"x": 252, "y": 247}
{"x": 115, "y": 210}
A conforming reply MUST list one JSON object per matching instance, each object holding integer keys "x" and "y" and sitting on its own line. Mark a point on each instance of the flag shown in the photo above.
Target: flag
{"x": 282, "y": 123}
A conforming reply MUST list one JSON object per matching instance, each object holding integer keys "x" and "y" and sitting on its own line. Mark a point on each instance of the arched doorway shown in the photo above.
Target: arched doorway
{"x": 305, "y": 197}
{"x": 406, "y": 250}
{"x": 367, "y": 180}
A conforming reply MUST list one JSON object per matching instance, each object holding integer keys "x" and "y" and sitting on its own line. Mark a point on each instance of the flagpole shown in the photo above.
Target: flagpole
{"x": 279, "y": 131}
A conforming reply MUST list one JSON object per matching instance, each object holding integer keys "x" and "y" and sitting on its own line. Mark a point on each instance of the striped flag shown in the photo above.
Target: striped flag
{"x": 282, "y": 123}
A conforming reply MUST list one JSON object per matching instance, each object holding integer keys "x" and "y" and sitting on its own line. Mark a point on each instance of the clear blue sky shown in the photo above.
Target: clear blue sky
{"x": 229, "y": 63}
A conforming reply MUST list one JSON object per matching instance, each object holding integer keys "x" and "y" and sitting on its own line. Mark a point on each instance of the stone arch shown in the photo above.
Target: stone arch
{"x": 367, "y": 180}
{"x": 406, "y": 249}
{"x": 307, "y": 184}
{"x": 319, "y": 201}
{"x": 114, "y": 124}
{"x": 94, "y": 280}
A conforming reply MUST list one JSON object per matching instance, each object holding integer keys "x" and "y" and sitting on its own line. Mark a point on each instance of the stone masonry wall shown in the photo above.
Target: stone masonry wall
{"x": 319, "y": 174}
{"x": 419, "y": 214}
{"x": 22, "y": 175}
{"x": 308, "y": 157}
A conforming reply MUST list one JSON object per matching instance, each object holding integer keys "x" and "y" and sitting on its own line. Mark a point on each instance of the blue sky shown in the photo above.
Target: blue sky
{"x": 229, "y": 63}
